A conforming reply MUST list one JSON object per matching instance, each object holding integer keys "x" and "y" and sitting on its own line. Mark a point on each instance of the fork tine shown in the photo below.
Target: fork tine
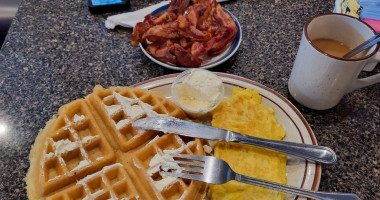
{"x": 195, "y": 164}
{"x": 188, "y": 156}
{"x": 185, "y": 175}
{"x": 183, "y": 169}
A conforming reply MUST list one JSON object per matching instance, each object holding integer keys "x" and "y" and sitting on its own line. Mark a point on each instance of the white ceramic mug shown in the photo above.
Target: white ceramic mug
{"x": 319, "y": 80}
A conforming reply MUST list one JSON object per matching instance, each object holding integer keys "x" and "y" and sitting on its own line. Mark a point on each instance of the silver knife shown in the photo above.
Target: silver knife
{"x": 181, "y": 127}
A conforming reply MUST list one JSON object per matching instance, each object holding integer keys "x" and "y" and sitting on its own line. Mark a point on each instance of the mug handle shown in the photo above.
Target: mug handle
{"x": 364, "y": 82}
{"x": 372, "y": 64}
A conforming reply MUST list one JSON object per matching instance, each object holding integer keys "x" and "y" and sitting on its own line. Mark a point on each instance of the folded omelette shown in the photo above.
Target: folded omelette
{"x": 244, "y": 113}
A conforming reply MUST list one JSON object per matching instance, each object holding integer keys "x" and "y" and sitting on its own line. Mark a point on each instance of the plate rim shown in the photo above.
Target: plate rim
{"x": 318, "y": 167}
{"x": 233, "y": 48}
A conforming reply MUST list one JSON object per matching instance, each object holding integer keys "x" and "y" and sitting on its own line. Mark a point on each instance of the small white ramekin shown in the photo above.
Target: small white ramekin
{"x": 193, "y": 113}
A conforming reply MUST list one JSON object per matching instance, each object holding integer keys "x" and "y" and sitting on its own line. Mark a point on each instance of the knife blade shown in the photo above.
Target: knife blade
{"x": 319, "y": 154}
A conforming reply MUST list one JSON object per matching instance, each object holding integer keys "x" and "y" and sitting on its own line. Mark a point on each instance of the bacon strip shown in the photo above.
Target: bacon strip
{"x": 186, "y": 35}
{"x": 178, "y": 6}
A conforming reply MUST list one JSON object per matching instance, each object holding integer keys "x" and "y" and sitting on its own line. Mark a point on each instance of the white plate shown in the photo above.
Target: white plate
{"x": 217, "y": 60}
{"x": 300, "y": 173}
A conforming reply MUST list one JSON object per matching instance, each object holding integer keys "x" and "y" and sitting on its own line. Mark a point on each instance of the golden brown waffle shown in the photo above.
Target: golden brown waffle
{"x": 115, "y": 108}
{"x": 180, "y": 188}
{"x": 91, "y": 150}
{"x": 110, "y": 182}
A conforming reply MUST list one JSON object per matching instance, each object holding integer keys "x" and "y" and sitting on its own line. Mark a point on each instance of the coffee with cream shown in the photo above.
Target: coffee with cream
{"x": 332, "y": 47}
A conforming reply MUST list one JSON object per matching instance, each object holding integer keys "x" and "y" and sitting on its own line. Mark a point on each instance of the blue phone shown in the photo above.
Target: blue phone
{"x": 104, "y": 6}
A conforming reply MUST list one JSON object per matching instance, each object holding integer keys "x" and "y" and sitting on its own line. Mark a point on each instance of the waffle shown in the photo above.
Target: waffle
{"x": 92, "y": 151}
{"x": 147, "y": 173}
{"x": 110, "y": 182}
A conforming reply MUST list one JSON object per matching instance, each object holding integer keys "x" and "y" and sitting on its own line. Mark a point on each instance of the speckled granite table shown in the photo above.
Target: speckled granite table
{"x": 56, "y": 51}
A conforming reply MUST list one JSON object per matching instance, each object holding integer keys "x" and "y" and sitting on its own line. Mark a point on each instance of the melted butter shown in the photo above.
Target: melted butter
{"x": 62, "y": 146}
{"x": 133, "y": 109}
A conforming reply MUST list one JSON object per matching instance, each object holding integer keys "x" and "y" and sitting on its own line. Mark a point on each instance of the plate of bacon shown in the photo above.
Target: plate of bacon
{"x": 184, "y": 35}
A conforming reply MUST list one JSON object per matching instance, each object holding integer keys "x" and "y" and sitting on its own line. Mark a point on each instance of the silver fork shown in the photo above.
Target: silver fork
{"x": 216, "y": 171}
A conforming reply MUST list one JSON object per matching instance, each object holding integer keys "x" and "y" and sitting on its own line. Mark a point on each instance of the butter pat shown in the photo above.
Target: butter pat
{"x": 63, "y": 146}
{"x": 156, "y": 166}
{"x": 81, "y": 164}
{"x": 198, "y": 91}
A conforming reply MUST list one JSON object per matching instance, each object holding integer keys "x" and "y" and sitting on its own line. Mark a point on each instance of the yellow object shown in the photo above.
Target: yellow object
{"x": 350, "y": 7}
{"x": 92, "y": 151}
{"x": 244, "y": 113}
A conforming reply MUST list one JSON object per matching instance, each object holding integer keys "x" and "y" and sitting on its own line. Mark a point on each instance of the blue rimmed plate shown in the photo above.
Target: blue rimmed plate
{"x": 217, "y": 60}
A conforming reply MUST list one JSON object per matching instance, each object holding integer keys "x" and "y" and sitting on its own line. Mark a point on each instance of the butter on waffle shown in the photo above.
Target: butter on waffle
{"x": 91, "y": 150}
{"x": 119, "y": 107}
{"x": 146, "y": 162}
{"x": 112, "y": 182}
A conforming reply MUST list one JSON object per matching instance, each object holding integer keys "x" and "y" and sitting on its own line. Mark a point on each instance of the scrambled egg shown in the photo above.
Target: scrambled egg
{"x": 244, "y": 113}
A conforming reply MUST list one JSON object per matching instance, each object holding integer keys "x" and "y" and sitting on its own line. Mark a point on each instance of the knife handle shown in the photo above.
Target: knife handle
{"x": 319, "y": 154}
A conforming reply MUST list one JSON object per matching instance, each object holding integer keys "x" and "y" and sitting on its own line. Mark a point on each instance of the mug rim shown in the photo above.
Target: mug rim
{"x": 339, "y": 58}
